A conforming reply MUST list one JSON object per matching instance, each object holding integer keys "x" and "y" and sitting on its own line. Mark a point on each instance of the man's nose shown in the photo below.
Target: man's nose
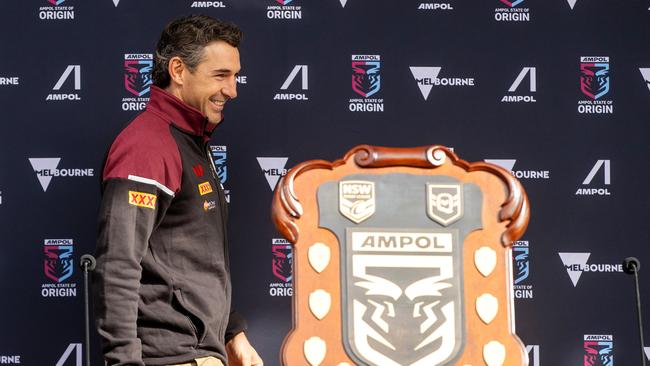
{"x": 230, "y": 90}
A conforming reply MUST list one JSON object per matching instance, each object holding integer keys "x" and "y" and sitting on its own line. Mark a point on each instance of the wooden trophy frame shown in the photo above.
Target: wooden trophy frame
{"x": 485, "y": 254}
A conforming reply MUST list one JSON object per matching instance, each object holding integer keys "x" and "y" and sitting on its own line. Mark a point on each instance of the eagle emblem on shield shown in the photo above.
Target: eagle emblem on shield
{"x": 444, "y": 203}
{"x": 357, "y": 199}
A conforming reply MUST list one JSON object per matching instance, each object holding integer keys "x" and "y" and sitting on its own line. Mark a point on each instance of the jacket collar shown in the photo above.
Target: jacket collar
{"x": 178, "y": 113}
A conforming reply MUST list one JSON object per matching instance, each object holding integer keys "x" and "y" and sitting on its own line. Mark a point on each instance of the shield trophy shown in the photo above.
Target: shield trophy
{"x": 401, "y": 258}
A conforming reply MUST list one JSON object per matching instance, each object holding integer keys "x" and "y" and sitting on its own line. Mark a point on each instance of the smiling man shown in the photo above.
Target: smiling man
{"x": 162, "y": 284}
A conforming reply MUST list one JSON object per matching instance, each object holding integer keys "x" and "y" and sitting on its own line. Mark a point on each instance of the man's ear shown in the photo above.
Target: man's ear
{"x": 175, "y": 68}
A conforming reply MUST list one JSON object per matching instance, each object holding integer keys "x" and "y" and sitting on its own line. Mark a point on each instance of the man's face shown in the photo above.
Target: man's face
{"x": 213, "y": 82}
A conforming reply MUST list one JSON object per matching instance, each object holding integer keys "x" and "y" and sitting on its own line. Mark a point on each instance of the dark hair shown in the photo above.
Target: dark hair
{"x": 186, "y": 37}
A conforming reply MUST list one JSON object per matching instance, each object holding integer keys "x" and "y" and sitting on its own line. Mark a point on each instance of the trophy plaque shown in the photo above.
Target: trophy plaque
{"x": 402, "y": 257}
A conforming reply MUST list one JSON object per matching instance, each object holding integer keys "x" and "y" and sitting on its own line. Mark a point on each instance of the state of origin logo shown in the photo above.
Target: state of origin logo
{"x": 599, "y": 350}
{"x": 282, "y": 266}
{"x": 137, "y": 80}
{"x": 594, "y": 84}
{"x": 366, "y": 82}
{"x": 512, "y": 12}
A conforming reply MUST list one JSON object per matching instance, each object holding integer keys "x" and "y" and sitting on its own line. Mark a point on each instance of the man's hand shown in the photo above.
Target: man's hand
{"x": 241, "y": 353}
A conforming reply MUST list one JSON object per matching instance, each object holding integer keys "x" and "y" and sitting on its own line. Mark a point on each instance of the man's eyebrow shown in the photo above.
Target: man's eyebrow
{"x": 221, "y": 71}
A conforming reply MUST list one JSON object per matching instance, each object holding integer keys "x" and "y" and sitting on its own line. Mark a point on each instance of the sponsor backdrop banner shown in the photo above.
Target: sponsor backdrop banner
{"x": 558, "y": 92}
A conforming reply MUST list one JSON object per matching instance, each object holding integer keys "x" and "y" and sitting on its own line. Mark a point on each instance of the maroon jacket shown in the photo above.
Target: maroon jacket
{"x": 162, "y": 283}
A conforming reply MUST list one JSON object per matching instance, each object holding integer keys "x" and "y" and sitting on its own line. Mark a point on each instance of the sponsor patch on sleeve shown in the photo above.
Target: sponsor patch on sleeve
{"x": 205, "y": 188}
{"x": 142, "y": 199}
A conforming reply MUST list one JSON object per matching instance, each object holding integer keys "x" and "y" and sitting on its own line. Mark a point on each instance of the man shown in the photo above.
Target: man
{"x": 162, "y": 283}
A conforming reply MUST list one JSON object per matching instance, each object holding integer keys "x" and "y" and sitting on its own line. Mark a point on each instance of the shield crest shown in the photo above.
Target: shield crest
{"x": 357, "y": 200}
{"x": 58, "y": 263}
{"x": 444, "y": 203}
{"x": 137, "y": 76}
{"x": 366, "y": 79}
{"x": 403, "y": 295}
{"x": 594, "y": 79}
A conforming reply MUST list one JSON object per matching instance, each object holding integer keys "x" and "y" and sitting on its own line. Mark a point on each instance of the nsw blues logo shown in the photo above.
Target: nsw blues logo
{"x": 521, "y": 268}
{"x": 58, "y": 264}
{"x": 220, "y": 156}
{"x": 366, "y": 78}
{"x": 594, "y": 79}
{"x": 137, "y": 73}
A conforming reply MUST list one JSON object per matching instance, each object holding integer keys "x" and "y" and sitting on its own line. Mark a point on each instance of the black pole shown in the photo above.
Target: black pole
{"x": 632, "y": 265}
{"x": 87, "y": 316}
{"x": 88, "y": 263}
{"x": 638, "y": 309}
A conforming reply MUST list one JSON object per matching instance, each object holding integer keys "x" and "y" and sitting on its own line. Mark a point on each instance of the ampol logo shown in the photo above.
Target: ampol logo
{"x": 598, "y": 190}
{"x": 75, "y": 71}
{"x": 72, "y": 347}
{"x": 531, "y": 71}
{"x": 533, "y": 354}
{"x": 304, "y": 84}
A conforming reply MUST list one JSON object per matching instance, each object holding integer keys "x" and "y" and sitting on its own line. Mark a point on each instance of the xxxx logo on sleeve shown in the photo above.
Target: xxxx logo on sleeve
{"x": 142, "y": 199}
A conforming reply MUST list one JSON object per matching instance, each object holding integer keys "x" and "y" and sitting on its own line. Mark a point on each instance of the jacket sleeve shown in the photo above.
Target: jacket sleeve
{"x": 236, "y": 324}
{"x": 129, "y": 211}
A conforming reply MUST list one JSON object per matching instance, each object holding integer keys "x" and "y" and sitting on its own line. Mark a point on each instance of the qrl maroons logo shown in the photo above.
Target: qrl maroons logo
{"x": 366, "y": 80}
{"x": 444, "y": 203}
{"x": 58, "y": 263}
{"x": 599, "y": 350}
{"x": 282, "y": 260}
{"x": 137, "y": 73}
{"x": 594, "y": 77}
{"x": 357, "y": 199}
{"x": 403, "y": 297}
